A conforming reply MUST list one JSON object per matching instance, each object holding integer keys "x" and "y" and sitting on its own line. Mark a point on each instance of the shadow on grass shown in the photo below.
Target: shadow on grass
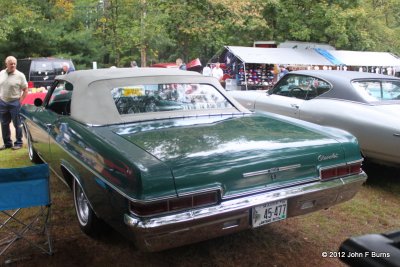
{"x": 387, "y": 178}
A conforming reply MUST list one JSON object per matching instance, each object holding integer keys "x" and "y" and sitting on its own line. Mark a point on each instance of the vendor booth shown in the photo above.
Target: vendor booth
{"x": 258, "y": 68}
{"x": 381, "y": 62}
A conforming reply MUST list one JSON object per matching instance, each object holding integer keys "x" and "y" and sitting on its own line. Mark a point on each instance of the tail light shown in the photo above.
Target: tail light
{"x": 340, "y": 171}
{"x": 175, "y": 204}
{"x": 30, "y": 85}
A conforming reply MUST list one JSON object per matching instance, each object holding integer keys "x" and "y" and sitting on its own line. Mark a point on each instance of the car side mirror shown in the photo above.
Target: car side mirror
{"x": 38, "y": 102}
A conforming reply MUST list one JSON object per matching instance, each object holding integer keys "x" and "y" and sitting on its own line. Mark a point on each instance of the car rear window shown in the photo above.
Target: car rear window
{"x": 167, "y": 97}
{"x": 378, "y": 90}
{"x": 42, "y": 67}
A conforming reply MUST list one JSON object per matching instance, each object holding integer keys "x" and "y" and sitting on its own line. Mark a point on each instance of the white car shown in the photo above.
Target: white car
{"x": 364, "y": 104}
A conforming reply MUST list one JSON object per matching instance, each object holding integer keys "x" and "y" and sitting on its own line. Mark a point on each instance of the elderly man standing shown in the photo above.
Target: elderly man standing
{"x": 13, "y": 90}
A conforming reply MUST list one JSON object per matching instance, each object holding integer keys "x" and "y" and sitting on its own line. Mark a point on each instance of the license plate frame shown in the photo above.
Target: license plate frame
{"x": 269, "y": 212}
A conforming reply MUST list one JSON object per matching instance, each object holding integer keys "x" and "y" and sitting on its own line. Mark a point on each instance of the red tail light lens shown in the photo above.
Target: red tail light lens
{"x": 204, "y": 199}
{"x": 149, "y": 209}
{"x": 340, "y": 171}
{"x": 30, "y": 84}
{"x": 175, "y": 204}
{"x": 179, "y": 203}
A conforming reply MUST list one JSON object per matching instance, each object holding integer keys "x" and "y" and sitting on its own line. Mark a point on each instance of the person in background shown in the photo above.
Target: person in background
{"x": 389, "y": 71}
{"x": 276, "y": 72}
{"x": 217, "y": 72}
{"x": 207, "y": 71}
{"x": 134, "y": 64}
{"x": 66, "y": 68}
{"x": 282, "y": 72}
{"x": 13, "y": 90}
{"x": 181, "y": 65}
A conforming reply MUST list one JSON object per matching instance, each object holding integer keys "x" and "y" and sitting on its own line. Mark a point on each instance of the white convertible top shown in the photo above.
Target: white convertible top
{"x": 92, "y": 102}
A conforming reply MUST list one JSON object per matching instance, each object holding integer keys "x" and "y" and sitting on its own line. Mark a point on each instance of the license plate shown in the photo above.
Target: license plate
{"x": 269, "y": 212}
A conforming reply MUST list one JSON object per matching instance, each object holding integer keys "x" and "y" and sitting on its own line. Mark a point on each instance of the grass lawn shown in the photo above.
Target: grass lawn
{"x": 297, "y": 241}
{"x": 14, "y": 158}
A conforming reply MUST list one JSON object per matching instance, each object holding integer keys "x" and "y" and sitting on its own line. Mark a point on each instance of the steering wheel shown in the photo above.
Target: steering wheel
{"x": 295, "y": 89}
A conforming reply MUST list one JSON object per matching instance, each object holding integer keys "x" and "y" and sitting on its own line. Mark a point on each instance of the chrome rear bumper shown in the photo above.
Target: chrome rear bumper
{"x": 163, "y": 232}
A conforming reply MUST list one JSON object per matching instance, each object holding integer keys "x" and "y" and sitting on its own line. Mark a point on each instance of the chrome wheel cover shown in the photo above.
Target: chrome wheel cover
{"x": 81, "y": 205}
{"x": 30, "y": 148}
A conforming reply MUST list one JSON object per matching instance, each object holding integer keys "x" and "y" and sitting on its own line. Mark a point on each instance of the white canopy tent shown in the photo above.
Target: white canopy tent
{"x": 282, "y": 56}
{"x": 362, "y": 58}
{"x": 287, "y": 56}
{"x": 309, "y": 57}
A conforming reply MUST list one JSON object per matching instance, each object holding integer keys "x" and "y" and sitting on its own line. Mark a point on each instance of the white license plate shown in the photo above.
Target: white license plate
{"x": 269, "y": 212}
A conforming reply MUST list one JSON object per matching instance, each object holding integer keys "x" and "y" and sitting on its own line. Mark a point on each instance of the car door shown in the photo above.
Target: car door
{"x": 42, "y": 123}
{"x": 288, "y": 106}
{"x": 57, "y": 106}
{"x": 286, "y": 97}
{"x": 290, "y": 94}
{"x": 38, "y": 127}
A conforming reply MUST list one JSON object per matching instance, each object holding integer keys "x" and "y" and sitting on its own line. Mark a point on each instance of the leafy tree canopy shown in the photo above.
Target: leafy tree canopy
{"x": 114, "y": 32}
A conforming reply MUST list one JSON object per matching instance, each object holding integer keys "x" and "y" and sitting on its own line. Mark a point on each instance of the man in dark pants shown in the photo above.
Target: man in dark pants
{"x": 13, "y": 90}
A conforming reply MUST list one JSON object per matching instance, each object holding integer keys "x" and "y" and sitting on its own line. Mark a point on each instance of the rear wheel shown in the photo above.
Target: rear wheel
{"x": 88, "y": 221}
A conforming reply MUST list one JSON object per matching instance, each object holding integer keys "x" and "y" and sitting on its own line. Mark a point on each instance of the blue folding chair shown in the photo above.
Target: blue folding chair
{"x": 25, "y": 207}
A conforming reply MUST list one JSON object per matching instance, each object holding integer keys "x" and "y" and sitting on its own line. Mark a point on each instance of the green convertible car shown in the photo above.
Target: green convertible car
{"x": 167, "y": 158}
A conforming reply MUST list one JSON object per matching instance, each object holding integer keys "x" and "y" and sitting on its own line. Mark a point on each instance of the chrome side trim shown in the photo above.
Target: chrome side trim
{"x": 342, "y": 164}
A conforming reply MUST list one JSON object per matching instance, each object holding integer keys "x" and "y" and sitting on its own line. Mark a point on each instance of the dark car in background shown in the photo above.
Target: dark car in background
{"x": 41, "y": 72}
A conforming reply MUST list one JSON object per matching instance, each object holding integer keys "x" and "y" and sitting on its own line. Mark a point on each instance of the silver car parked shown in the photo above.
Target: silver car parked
{"x": 364, "y": 104}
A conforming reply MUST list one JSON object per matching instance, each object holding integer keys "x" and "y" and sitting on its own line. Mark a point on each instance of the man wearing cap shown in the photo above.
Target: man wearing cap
{"x": 13, "y": 90}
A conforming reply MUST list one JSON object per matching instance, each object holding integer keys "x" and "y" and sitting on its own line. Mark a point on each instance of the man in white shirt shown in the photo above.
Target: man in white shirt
{"x": 207, "y": 71}
{"x": 217, "y": 72}
{"x": 13, "y": 90}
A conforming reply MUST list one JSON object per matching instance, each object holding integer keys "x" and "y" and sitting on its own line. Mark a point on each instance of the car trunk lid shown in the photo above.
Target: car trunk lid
{"x": 235, "y": 154}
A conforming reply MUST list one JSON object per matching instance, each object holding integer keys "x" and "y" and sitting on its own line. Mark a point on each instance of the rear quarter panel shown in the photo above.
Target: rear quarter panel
{"x": 374, "y": 130}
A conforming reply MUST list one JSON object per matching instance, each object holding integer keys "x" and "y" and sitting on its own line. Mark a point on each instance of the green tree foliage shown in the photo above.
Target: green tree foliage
{"x": 129, "y": 28}
{"x": 19, "y": 25}
{"x": 114, "y": 32}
